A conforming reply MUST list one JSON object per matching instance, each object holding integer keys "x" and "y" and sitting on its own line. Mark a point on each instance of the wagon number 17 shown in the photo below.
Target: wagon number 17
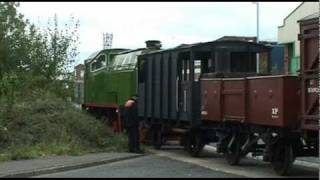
{"x": 274, "y": 112}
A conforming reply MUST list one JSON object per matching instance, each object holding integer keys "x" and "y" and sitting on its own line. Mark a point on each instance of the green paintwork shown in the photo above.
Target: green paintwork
{"x": 111, "y": 84}
{"x": 106, "y": 87}
{"x": 294, "y": 61}
{"x": 295, "y": 65}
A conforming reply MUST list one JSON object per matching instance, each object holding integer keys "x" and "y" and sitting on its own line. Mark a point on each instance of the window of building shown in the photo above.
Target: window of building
{"x": 81, "y": 74}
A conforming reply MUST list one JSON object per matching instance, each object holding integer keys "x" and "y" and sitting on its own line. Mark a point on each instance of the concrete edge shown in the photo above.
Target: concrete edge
{"x": 297, "y": 162}
{"x": 151, "y": 151}
{"x": 49, "y": 170}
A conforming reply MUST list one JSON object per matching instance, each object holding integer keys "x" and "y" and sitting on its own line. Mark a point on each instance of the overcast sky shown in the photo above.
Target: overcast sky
{"x": 173, "y": 23}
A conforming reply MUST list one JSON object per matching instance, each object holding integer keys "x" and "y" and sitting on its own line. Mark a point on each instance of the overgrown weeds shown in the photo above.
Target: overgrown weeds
{"x": 41, "y": 124}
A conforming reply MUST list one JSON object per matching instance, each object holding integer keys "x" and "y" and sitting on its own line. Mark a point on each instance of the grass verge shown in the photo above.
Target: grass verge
{"x": 44, "y": 125}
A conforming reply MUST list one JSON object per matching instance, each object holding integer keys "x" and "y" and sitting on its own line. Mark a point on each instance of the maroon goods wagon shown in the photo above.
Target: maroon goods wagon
{"x": 259, "y": 115}
{"x": 268, "y": 100}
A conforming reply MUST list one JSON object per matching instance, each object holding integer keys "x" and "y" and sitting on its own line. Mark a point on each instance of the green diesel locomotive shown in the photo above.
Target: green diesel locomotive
{"x": 110, "y": 79}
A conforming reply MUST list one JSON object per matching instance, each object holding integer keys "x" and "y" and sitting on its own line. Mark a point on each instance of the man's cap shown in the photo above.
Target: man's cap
{"x": 134, "y": 98}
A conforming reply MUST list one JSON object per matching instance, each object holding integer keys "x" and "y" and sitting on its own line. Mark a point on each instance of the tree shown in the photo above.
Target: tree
{"x": 12, "y": 33}
{"x": 33, "y": 58}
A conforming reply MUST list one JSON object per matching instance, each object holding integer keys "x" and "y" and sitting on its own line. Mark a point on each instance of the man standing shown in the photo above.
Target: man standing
{"x": 132, "y": 125}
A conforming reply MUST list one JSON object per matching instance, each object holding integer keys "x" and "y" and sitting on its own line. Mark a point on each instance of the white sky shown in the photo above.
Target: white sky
{"x": 173, "y": 23}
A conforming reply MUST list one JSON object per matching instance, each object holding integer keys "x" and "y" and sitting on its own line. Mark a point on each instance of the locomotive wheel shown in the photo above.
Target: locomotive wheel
{"x": 157, "y": 137}
{"x": 195, "y": 144}
{"x": 283, "y": 159}
{"x": 233, "y": 154}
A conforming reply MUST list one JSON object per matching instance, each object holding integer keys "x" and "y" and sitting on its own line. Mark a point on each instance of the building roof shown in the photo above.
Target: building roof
{"x": 246, "y": 39}
{"x": 284, "y": 20}
{"x": 79, "y": 66}
{"x": 238, "y": 38}
{"x": 312, "y": 16}
{"x": 216, "y": 42}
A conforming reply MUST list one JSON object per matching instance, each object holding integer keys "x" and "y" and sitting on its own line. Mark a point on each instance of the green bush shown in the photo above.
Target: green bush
{"x": 42, "y": 124}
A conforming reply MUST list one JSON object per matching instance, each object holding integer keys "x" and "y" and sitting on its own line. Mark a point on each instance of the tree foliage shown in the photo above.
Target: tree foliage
{"x": 33, "y": 58}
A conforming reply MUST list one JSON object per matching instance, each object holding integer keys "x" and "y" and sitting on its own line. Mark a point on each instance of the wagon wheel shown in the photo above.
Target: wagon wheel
{"x": 282, "y": 159}
{"x": 233, "y": 153}
{"x": 195, "y": 144}
{"x": 157, "y": 137}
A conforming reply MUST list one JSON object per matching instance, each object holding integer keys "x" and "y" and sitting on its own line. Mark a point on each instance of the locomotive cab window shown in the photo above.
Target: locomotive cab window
{"x": 197, "y": 69}
{"x": 184, "y": 60}
{"x": 125, "y": 61}
{"x": 243, "y": 62}
{"x": 118, "y": 60}
{"x": 98, "y": 63}
{"x": 203, "y": 63}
